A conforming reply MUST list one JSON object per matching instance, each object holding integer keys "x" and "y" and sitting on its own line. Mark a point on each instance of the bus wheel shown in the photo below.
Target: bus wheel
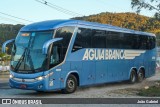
{"x": 140, "y": 75}
{"x": 71, "y": 84}
{"x": 133, "y": 77}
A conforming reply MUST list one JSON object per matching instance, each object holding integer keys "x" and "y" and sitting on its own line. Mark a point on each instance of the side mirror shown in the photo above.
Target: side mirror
{"x": 47, "y": 44}
{"x": 5, "y": 43}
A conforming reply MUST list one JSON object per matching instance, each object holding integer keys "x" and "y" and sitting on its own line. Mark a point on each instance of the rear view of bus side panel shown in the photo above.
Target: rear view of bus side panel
{"x": 152, "y": 63}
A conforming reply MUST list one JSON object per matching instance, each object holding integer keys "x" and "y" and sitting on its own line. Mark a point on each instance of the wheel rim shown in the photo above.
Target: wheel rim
{"x": 140, "y": 76}
{"x": 71, "y": 84}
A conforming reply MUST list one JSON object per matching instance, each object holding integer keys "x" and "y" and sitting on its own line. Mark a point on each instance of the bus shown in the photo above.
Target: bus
{"x": 66, "y": 54}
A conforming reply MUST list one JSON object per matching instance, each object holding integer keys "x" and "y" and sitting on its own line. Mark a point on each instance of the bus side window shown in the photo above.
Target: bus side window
{"x": 152, "y": 42}
{"x": 55, "y": 55}
{"x": 143, "y": 42}
{"x": 65, "y": 33}
{"x": 98, "y": 39}
{"x": 113, "y": 40}
{"x": 83, "y": 39}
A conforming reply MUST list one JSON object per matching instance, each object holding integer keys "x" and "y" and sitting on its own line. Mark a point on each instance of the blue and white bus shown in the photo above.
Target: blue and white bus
{"x": 65, "y": 54}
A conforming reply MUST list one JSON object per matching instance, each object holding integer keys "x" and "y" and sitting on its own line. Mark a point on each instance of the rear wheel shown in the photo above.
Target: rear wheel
{"x": 133, "y": 77}
{"x": 71, "y": 84}
{"x": 140, "y": 75}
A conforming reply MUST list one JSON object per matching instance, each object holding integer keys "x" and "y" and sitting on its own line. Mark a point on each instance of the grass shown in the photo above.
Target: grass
{"x": 153, "y": 91}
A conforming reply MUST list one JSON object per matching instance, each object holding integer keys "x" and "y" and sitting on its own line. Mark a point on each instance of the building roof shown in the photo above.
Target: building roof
{"x": 53, "y": 24}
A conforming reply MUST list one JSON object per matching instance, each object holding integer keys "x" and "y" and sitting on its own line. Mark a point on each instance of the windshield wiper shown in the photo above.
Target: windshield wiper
{"x": 28, "y": 57}
{"x": 20, "y": 60}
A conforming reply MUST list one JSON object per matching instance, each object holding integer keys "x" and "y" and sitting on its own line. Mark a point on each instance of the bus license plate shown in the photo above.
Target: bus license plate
{"x": 23, "y": 86}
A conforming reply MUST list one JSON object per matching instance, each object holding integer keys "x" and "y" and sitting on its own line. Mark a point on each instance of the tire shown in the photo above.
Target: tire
{"x": 71, "y": 85}
{"x": 140, "y": 76}
{"x": 133, "y": 77}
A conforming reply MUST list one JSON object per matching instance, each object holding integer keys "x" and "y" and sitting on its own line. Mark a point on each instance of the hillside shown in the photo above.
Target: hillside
{"x": 8, "y": 31}
{"x": 125, "y": 20}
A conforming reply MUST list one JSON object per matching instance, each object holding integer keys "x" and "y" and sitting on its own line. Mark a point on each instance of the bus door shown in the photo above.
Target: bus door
{"x": 55, "y": 59}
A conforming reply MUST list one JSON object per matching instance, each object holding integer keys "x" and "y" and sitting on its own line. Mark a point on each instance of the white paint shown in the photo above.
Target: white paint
{"x": 58, "y": 69}
{"x": 153, "y": 57}
{"x": 50, "y": 83}
{"x": 108, "y": 54}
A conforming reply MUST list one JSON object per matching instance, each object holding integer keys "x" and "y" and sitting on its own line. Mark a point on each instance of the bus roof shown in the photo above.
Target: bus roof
{"x": 53, "y": 24}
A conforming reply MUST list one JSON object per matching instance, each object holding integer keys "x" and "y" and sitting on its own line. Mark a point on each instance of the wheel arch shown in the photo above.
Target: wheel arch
{"x": 75, "y": 73}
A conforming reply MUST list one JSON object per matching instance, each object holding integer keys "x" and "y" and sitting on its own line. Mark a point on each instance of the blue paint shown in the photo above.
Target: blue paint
{"x": 5, "y": 43}
{"x": 89, "y": 71}
{"x": 46, "y": 44}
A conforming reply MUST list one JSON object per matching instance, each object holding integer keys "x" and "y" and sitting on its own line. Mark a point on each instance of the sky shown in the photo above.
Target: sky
{"x": 34, "y": 11}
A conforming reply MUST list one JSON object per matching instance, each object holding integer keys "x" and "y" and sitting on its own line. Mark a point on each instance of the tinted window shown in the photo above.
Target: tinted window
{"x": 98, "y": 39}
{"x": 113, "y": 39}
{"x": 145, "y": 42}
{"x": 152, "y": 42}
{"x": 66, "y": 34}
{"x": 83, "y": 39}
{"x": 55, "y": 55}
{"x": 129, "y": 41}
{"x": 91, "y": 38}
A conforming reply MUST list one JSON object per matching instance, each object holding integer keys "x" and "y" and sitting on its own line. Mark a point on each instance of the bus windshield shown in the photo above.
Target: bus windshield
{"x": 27, "y": 54}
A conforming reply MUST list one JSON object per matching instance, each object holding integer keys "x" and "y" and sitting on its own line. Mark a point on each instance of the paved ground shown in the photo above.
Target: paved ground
{"x": 121, "y": 89}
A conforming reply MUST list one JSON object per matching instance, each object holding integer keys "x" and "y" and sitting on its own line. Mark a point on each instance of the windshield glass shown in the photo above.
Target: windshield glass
{"x": 27, "y": 52}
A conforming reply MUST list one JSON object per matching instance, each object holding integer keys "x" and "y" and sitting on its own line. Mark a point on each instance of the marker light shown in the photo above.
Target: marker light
{"x": 25, "y": 34}
{"x": 48, "y": 74}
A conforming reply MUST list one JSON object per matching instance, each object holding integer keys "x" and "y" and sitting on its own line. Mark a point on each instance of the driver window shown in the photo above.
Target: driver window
{"x": 54, "y": 56}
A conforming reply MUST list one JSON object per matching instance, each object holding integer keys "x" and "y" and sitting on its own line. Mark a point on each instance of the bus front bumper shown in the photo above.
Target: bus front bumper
{"x": 32, "y": 85}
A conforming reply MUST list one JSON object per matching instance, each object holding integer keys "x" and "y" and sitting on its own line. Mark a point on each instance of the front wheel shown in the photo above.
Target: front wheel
{"x": 133, "y": 77}
{"x": 71, "y": 84}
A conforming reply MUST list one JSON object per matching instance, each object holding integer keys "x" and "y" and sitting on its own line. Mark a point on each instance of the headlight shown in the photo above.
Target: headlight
{"x": 10, "y": 76}
{"x": 42, "y": 77}
{"x": 39, "y": 78}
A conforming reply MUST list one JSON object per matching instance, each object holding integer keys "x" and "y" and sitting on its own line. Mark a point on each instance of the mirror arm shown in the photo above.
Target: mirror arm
{"x": 5, "y": 43}
{"x": 47, "y": 44}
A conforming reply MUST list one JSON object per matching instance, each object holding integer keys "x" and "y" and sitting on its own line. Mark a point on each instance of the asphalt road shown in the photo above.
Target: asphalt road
{"x": 99, "y": 91}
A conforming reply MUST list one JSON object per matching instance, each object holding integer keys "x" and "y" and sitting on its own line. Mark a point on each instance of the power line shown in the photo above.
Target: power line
{"x": 11, "y": 20}
{"x": 15, "y": 17}
{"x": 60, "y": 9}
